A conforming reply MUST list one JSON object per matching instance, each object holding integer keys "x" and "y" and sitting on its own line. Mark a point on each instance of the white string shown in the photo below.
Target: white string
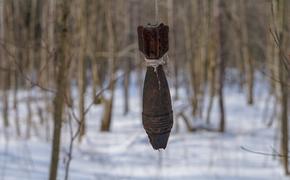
{"x": 156, "y": 12}
{"x": 155, "y": 62}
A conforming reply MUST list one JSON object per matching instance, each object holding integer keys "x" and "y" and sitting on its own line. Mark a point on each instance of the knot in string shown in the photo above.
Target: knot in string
{"x": 155, "y": 62}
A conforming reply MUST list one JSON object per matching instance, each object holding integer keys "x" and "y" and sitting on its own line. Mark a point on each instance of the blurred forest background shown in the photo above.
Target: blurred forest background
{"x": 60, "y": 59}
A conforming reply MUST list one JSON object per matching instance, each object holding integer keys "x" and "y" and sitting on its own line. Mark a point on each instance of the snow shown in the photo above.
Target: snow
{"x": 125, "y": 153}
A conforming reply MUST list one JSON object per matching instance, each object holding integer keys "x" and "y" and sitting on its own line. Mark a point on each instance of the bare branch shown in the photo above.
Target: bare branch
{"x": 263, "y": 153}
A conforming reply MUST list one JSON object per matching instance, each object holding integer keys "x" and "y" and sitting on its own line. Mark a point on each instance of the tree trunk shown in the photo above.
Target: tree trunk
{"x": 222, "y": 52}
{"x": 7, "y": 36}
{"x": 280, "y": 12}
{"x": 127, "y": 86}
{"x": 245, "y": 54}
{"x": 107, "y": 115}
{"x": 170, "y": 14}
{"x": 82, "y": 27}
{"x": 59, "y": 99}
{"x": 190, "y": 52}
{"x": 129, "y": 31}
{"x": 211, "y": 59}
{"x": 6, "y": 99}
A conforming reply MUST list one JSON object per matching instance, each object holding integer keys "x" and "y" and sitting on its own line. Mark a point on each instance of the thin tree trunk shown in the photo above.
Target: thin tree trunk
{"x": 170, "y": 14}
{"x": 190, "y": 60}
{"x": 245, "y": 54}
{"x": 82, "y": 27}
{"x": 279, "y": 12}
{"x": 2, "y": 57}
{"x": 126, "y": 86}
{"x": 15, "y": 104}
{"x": 15, "y": 76}
{"x": 45, "y": 56}
{"x": 59, "y": 99}
{"x": 7, "y": 36}
{"x": 31, "y": 59}
{"x": 107, "y": 115}
{"x": 222, "y": 34}
{"x": 212, "y": 69}
{"x": 6, "y": 99}
{"x": 129, "y": 30}
{"x": 95, "y": 46}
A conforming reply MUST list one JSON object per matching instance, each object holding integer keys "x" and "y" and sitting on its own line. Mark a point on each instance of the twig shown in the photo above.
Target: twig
{"x": 72, "y": 139}
{"x": 73, "y": 114}
{"x": 25, "y": 76}
{"x": 285, "y": 60}
{"x": 272, "y": 77}
{"x": 101, "y": 92}
{"x": 263, "y": 153}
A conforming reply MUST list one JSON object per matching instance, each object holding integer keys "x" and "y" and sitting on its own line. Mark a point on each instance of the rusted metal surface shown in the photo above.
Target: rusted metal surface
{"x": 153, "y": 40}
{"x": 157, "y": 116}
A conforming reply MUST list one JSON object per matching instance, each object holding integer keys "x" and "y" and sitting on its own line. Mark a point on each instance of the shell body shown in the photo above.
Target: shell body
{"x": 157, "y": 116}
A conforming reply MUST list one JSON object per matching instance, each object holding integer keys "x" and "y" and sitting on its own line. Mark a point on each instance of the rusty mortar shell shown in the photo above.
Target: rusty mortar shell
{"x": 157, "y": 116}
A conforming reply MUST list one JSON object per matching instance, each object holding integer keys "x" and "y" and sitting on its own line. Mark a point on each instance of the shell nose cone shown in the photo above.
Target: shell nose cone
{"x": 159, "y": 141}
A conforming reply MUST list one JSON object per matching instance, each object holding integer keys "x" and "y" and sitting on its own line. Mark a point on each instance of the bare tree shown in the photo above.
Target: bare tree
{"x": 82, "y": 30}
{"x": 280, "y": 9}
{"x": 221, "y": 63}
{"x": 107, "y": 115}
{"x": 247, "y": 59}
{"x": 60, "y": 96}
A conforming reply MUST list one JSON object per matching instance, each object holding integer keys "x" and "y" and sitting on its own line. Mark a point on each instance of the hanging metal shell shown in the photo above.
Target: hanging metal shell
{"x": 157, "y": 116}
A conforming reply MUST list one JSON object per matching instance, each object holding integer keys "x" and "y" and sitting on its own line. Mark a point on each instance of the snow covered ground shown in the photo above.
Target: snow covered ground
{"x": 125, "y": 152}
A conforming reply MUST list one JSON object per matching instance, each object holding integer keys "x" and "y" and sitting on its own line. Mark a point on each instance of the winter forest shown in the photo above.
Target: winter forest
{"x": 144, "y": 90}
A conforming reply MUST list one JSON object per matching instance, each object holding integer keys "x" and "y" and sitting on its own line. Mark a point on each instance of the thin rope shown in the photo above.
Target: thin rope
{"x": 156, "y": 12}
{"x": 154, "y": 63}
